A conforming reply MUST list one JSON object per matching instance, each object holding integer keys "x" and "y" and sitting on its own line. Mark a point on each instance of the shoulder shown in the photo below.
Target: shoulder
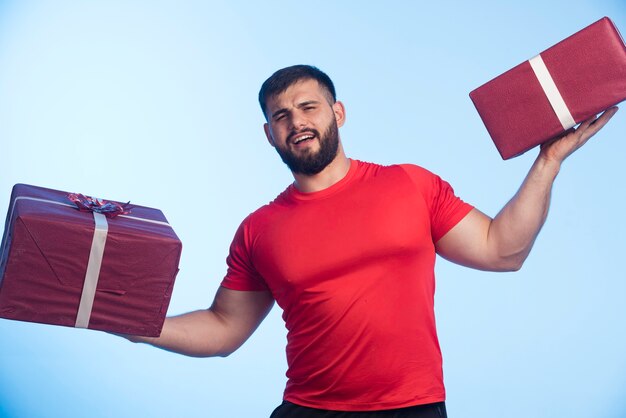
{"x": 365, "y": 167}
{"x": 417, "y": 172}
{"x": 398, "y": 174}
{"x": 425, "y": 182}
{"x": 418, "y": 175}
{"x": 411, "y": 169}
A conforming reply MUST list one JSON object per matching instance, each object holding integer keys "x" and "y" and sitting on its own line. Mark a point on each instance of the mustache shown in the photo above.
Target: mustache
{"x": 309, "y": 131}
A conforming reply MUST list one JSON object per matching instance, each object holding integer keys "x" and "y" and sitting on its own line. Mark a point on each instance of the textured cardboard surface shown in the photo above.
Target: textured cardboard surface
{"x": 589, "y": 70}
{"x": 45, "y": 250}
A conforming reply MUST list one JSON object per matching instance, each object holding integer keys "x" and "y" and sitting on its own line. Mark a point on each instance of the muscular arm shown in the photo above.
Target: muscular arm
{"x": 504, "y": 242}
{"x": 217, "y": 331}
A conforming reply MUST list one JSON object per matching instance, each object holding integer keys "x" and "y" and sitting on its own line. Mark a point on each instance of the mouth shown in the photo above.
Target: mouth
{"x": 302, "y": 137}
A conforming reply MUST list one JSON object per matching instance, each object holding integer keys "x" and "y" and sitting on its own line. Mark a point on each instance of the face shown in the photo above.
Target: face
{"x": 303, "y": 127}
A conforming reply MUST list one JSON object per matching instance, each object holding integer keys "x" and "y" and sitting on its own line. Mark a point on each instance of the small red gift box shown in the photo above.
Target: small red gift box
{"x": 62, "y": 266}
{"x": 566, "y": 84}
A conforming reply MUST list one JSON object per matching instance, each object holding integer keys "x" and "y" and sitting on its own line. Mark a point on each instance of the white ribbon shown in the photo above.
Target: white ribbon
{"x": 96, "y": 254}
{"x": 552, "y": 92}
{"x": 93, "y": 270}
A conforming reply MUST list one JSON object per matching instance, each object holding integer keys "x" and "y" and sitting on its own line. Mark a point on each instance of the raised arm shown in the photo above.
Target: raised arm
{"x": 217, "y": 331}
{"x": 504, "y": 242}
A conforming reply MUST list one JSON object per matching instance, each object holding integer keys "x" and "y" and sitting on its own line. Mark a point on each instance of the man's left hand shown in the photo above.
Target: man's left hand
{"x": 561, "y": 148}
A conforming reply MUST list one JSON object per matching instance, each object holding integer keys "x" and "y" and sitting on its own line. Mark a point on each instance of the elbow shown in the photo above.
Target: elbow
{"x": 512, "y": 263}
{"x": 514, "y": 267}
{"x": 226, "y": 350}
{"x": 504, "y": 268}
{"x": 207, "y": 354}
{"x": 504, "y": 262}
{"x": 224, "y": 354}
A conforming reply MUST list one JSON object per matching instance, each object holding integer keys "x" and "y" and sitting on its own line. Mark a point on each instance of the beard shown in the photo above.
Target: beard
{"x": 310, "y": 162}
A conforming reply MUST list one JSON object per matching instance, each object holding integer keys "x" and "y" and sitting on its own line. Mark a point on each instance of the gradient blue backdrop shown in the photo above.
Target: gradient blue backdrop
{"x": 155, "y": 102}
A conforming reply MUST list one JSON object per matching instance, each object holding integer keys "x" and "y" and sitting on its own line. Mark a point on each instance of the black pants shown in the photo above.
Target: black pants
{"x": 290, "y": 410}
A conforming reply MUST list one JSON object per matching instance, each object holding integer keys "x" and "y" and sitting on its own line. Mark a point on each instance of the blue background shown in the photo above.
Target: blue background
{"x": 155, "y": 102}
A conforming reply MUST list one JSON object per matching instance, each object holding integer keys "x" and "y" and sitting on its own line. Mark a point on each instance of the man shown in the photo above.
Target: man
{"x": 348, "y": 253}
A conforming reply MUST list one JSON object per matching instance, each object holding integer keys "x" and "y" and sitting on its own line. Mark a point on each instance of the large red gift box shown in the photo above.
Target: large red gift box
{"x": 566, "y": 84}
{"x": 62, "y": 266}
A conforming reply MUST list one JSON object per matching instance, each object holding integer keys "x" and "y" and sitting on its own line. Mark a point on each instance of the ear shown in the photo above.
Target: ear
{"x": 340, "y": 113}
{"x": 268, "y": 134}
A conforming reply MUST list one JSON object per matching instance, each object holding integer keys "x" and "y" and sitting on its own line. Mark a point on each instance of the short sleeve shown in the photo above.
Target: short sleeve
{"x": 241, "y": 274}
{"x": 445, "y": 208}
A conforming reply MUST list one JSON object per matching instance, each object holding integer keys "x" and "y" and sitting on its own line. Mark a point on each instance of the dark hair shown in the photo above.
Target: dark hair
{"x": 282, "y": 79}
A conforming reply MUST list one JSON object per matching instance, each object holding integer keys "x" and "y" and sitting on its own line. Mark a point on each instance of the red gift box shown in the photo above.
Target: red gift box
{"x": 566, "y": 84}
{"x": 62, "y": 266}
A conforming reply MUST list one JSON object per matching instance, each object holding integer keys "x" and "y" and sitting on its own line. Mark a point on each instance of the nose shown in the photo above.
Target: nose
{"x": 298, "y": 121}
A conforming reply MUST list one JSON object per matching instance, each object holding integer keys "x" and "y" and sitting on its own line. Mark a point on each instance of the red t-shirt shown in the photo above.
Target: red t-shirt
{"x": 352, "y": 267}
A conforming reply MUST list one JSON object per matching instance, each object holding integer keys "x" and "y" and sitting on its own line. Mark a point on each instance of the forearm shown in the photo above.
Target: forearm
{"x": 503, "y": 243}
{"x": 217, "y": 331}
{"x": 197, "y": 334}
{"x": 513, "y": 231}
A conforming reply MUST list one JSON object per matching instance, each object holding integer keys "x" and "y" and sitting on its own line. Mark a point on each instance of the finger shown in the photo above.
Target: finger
{"x": 609, "y": 113}
{"x": 592, "y": 125}
{"x": 569, "y": 131}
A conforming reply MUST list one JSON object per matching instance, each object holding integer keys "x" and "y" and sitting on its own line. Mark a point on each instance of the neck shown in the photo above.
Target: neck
{"x": 330, "y": 175}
